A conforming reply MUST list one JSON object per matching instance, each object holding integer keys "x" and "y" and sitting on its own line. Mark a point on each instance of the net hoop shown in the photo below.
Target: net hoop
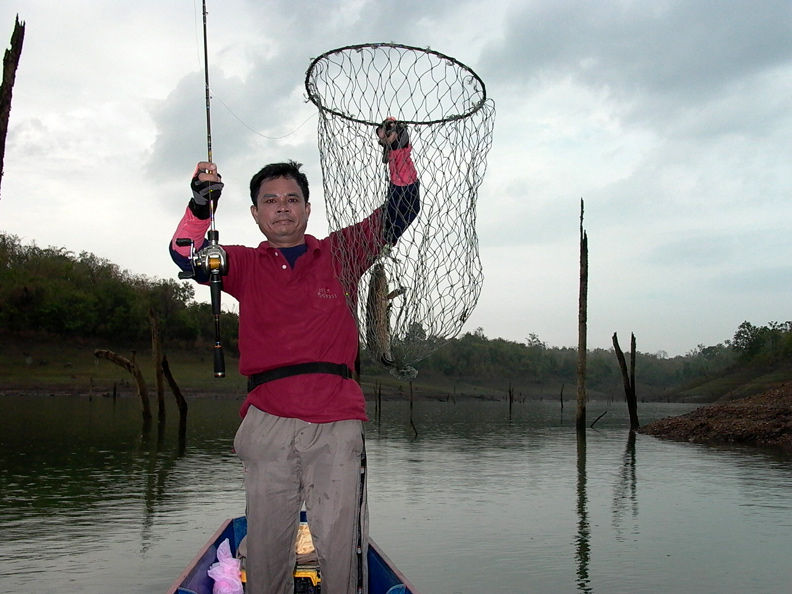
{"x": 469, "y": 91}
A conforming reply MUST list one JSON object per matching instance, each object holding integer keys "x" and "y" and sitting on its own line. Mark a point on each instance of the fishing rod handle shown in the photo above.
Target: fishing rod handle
{"x": 219, "y": 361}
{"x": 216, "y": 288}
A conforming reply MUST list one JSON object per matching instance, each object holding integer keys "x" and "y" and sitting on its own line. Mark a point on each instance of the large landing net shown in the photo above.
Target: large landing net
{"x": 420, "y": 291}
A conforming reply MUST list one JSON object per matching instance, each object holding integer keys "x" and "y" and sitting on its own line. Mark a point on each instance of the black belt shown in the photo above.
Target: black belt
{"x": 301, "y": 368}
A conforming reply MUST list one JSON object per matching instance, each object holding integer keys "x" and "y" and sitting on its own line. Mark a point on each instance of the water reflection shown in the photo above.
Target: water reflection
{"x": 160, "y": 463}
{"x": 625, "y": 501}
{"x": 625, "y": 492}
{"x": 485, "y": 499}
{"x": 582, "y": 550}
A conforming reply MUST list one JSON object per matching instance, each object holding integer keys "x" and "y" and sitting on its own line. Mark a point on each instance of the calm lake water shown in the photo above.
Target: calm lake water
{"x": 90, "y": 502}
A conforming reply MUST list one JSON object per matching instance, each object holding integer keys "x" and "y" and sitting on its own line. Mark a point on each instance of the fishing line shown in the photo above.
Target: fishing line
{"x": 223, "y": 103}
{"x": 308, "y": 119}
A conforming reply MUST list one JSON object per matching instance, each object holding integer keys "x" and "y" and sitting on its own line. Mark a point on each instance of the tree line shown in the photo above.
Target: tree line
{"x": 475, "y": 355}
{"x": 52, "y": 291}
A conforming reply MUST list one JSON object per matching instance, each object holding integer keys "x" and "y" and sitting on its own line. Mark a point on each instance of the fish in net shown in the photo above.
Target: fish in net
{"x": 418, "y": 292}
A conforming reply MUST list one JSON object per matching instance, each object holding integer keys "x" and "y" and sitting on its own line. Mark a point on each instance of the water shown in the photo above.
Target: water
{"x": 477, "y": 502}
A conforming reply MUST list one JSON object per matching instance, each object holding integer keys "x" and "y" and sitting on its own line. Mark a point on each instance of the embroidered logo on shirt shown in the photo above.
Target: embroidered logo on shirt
{"x": 326, "y": 293}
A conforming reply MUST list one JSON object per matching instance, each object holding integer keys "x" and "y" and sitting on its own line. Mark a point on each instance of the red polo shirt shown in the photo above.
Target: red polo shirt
{"x": 289, "y": 316}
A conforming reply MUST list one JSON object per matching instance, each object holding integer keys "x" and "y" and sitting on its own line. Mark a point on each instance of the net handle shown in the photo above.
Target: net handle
{"x": 313, "y": 95}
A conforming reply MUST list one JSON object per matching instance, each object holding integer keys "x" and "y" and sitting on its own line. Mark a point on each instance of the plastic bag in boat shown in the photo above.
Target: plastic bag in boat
{"x": 226, "y": 572}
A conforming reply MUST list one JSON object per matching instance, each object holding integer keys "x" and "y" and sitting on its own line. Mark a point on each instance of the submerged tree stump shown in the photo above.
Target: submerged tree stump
{"x": 156, "y": 355}
{"x": 629, "y": 380}
{"x": 132, "y": 368}
{"x": 177, "y": 393}
{"x": 580, "y": 417}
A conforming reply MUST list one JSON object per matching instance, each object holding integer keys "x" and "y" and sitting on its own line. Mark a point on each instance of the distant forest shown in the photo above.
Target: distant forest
{"x": 53, "y": 292}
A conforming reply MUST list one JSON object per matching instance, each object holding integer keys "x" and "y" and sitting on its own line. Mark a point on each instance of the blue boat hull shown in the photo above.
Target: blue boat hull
{"x": 384, "y": 578}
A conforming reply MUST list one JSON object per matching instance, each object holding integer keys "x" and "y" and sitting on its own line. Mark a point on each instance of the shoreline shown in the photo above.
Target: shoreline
{"x": 761, "y": 420}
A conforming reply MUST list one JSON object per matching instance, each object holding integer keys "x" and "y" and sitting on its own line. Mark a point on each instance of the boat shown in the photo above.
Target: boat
{"x": 384, "y": 577}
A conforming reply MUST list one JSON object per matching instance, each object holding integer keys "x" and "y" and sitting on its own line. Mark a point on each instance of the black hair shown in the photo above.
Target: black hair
{"x": 290, "y": 169}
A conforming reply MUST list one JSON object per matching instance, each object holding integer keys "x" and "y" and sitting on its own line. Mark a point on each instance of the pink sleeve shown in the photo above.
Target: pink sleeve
{"x": 401, "y": 167}
{"x": 190, "y": 227}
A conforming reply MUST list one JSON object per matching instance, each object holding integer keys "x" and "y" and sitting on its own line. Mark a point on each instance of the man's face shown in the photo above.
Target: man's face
{"x": 281, "y": 212}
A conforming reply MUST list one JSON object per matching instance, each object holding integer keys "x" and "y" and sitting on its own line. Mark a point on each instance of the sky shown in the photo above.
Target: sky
{"x": 671, "y": 120}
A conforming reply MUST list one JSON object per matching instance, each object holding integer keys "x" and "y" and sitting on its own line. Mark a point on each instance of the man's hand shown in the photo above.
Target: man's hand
{"x": 392, "y": 136}
{"x": 206, "y": 183}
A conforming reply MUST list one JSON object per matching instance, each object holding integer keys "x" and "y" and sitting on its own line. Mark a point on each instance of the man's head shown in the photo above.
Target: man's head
{"x": 280, "y": 203}
{"x": 289, "y": 169}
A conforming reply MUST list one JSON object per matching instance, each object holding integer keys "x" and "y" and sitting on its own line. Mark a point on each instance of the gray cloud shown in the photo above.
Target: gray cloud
{"x": 771, "y": 282}
{"x": 665, "y": 56}
{"x": 181, "y": 132}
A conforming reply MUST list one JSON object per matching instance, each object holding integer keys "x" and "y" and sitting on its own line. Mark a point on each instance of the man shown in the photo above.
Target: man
{"x": 301, "y": 437}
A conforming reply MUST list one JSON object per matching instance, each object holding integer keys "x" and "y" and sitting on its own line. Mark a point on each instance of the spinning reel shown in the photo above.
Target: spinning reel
{"x": 211, "y": 262}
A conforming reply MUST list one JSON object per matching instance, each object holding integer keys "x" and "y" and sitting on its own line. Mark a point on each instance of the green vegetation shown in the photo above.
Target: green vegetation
{"x": 52, "y": 292}
{"x": 734, "y": 368}
{"x": 57, "y": 307}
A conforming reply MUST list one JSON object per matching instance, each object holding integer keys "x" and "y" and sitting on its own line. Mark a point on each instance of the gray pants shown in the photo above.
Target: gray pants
{"x": 288, "y": 462}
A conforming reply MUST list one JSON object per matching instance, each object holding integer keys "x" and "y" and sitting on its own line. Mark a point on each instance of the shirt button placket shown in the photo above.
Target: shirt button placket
{"x": 283, "y": 266}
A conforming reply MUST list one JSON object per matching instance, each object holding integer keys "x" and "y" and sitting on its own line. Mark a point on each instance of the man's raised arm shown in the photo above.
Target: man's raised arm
{"x": 404, "y": 190}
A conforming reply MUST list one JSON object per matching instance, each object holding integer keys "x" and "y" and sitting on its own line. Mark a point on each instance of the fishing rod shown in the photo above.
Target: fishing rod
{"x": 216, "y": 256}
{"x": 210, "y": 260}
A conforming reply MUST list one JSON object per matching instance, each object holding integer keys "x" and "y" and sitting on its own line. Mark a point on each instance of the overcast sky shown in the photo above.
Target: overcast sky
{"x": 671, "y": 120}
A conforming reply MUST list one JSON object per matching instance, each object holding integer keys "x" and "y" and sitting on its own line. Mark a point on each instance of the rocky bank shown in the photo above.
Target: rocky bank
{"x": 763, "y": 420}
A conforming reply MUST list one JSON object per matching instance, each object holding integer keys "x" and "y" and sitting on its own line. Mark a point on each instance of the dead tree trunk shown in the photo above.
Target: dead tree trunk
{"x": 412, "y": 423}
{"x": 379, "y": 404}
{"x": 180, "y": 400}
{"x": 156, "y": 355}
{"x": 629, "y": 380}
{"x": 132, "y": 368}
{"x": 10, "y": 64}
{"x": 580, "y": 423}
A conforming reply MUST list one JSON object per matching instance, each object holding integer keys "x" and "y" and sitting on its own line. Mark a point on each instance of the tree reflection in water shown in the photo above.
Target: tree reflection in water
{"x": 582, "y": 540}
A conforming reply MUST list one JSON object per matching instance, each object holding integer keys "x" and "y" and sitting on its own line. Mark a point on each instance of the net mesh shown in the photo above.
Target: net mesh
{"x": 420, "y": 291}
